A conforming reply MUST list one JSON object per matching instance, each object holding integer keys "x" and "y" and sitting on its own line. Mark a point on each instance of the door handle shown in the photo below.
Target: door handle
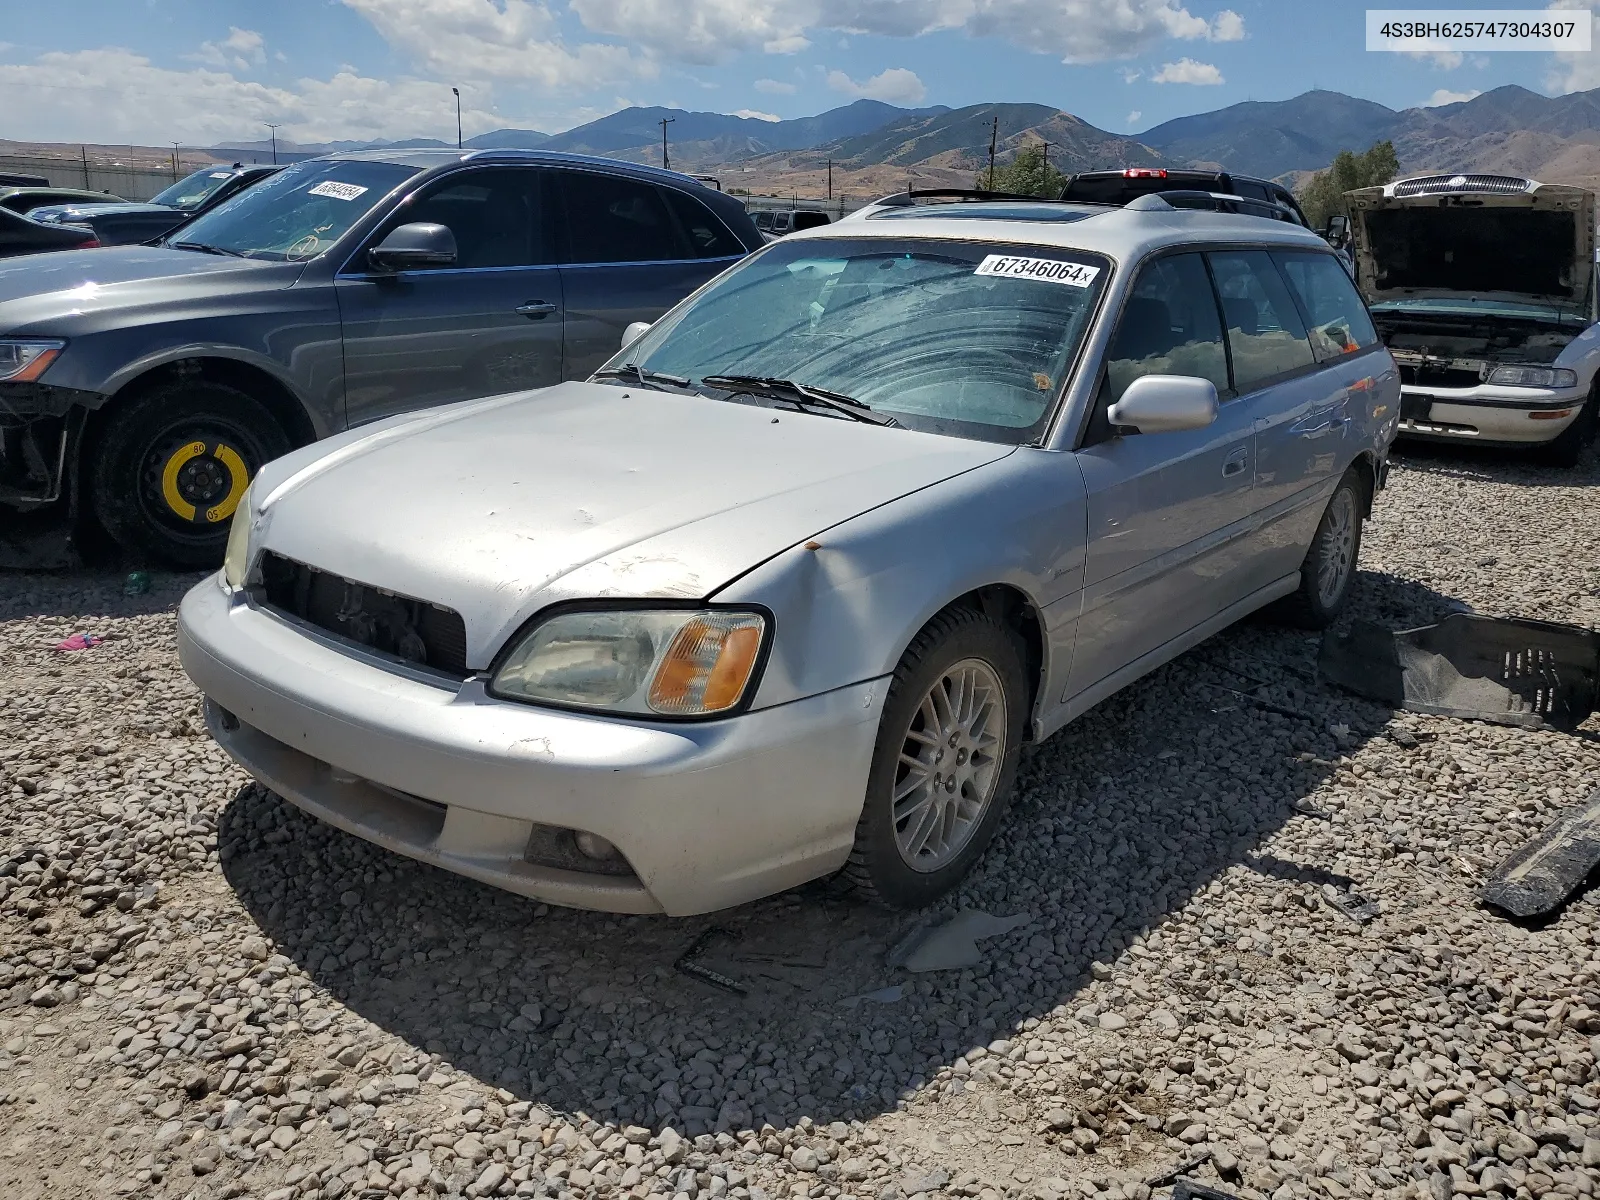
{"x": 534, "y": 309}
{"x": 1235, "y": 463}
{"x": 1327, "y": 427}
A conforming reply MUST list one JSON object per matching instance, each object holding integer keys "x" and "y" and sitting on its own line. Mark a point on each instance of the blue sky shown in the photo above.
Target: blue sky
{"x": 209, "y": 71}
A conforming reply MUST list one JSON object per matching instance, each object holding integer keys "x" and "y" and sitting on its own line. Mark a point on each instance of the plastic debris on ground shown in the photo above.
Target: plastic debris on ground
{"x": 953, "y": 945}
{"x": 137, "y": 583}
{"x": 1543, "y": 872}
{"x": 79, "y": 641}
{"x": 1358, "y": 908}
{"x": 1531, "y": 674}
{"x": 888, "y": 995}
{"x": 687, "y": 965}
{"x": 1188, "y": 1189}
{"x": 1167, "y": 1178}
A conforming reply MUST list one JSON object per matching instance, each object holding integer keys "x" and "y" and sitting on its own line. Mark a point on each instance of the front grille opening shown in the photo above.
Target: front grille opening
{"x": 552, "y": 846}
{"x": 415, "y": 631}
{"x": 1439, "y": 376}
{"x": 1503, "y": 185}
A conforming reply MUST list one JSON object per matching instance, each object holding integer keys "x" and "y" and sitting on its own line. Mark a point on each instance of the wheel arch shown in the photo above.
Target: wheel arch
{"x": 1366, "y": 466}
{"x": 1009, "y": 606}
{"x": 255, "y": 380}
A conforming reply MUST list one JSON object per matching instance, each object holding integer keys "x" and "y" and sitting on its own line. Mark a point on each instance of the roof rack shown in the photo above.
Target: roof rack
{"x": 1221, "y": 202}
{"x": 910, "y": 196}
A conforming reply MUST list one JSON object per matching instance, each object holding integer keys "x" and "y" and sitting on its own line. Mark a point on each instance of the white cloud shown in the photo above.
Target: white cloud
{"x": 1442, "y": 60}
{"x": 894, "y": 86}
{"x": 1187, "y": 70}
{"x": 1573, "y": 71}
{"x": 82, "y": 96}
{"x": 1133, "y": 118}
{"x": 240, "y": 49}
{"x": 775, "y": 87}
{"x": 1131, "y": 75}
{"x": 1446, "y": 96}
{"x": 756, "y": 114}
{"x": 1227, "y": 26}
{"x": 699, "y": 31}
{"x": 708, "y": 31}
{"x": 498, "y": 39}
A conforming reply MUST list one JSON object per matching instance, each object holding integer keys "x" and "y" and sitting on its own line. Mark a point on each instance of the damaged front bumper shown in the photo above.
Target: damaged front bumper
{"x": 41, "y": 434}
{"x": 703, "y": 815}
{"x": 1504, "y": 416}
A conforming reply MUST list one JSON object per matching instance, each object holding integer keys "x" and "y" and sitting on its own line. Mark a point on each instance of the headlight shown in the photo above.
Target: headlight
{"x": 236, "y": 559}
{"x": 673, "y": 662}
{"x": 1539, "y": 377}
{"x": 23, "y": 360}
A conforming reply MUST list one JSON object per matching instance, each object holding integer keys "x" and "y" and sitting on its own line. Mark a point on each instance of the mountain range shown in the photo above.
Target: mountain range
{"x": 868, "y": 145}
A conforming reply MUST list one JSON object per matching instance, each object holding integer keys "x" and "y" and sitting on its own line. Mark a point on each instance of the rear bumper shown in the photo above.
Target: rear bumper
{"x": 1499, "y": 416}
{"x": 706, "y": 815}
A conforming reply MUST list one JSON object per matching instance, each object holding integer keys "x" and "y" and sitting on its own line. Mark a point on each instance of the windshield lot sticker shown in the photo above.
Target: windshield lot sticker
{"x": 1046, "y": 270}
{"x": 339, "y": 191}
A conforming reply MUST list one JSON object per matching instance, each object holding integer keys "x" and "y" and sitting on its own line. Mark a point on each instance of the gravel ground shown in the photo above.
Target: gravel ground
{"x": 203, "y": 993}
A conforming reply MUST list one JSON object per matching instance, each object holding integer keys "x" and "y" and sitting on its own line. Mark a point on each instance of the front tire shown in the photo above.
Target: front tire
{"x": 945, "y": 760}
{"x": 171, "y": 464}
{"x": 1568, "y": 447}
{"x": 1330, "y": 564}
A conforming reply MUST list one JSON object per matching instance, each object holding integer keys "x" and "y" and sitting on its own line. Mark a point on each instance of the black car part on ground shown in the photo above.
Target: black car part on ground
{"x": 1510, "y": 671}
{"x": 1545, "y": 870}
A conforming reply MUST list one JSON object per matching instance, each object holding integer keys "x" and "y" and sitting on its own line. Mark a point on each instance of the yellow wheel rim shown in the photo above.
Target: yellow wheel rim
{"x": 238, "y": 480}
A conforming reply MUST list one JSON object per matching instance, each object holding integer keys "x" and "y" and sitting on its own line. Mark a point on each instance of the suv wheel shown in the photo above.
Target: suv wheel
{"x": 1330, "y": 563}
{"x": 172, "y": 464}
{"x": 945, "y": 760}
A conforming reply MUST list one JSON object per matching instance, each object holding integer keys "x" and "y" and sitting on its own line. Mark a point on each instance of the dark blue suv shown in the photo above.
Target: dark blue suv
{"x": 144, "y": 385}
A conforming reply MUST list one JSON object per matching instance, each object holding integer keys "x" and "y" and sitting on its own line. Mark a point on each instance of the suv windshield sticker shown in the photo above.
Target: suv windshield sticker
{"x": 1047, "y": 270}
{"x": 339, "y": 191}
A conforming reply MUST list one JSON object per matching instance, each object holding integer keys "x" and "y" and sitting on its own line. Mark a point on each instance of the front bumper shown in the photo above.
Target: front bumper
{"x": 707, "y": 815}
{"x": 1497, "y": 415}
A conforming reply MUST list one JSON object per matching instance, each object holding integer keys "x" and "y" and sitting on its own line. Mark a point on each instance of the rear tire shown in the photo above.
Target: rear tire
{"x": 1567, "y": 450}
{"x": 945, "y": 760}
{"x": 1330, "y": 563}
{"x": 171, "y": 464}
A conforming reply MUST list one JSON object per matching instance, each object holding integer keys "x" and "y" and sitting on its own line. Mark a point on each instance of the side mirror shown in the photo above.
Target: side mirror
{"x": 1337, "y": 229}
{"x": 1165, "y": 404}
{"x": 418, "y": 244}
{"x": 634, "y": 331}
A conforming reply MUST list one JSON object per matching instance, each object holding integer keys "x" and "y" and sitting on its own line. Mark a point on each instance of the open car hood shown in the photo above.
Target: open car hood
{"x": 1535, "y": 245}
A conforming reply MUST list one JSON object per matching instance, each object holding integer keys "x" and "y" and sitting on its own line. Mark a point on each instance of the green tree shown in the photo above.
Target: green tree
{"x": 1323, "y": 194}
{"x": 1028, "y": 174}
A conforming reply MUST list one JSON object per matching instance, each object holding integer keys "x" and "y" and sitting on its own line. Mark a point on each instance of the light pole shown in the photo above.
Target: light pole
{"x": 665, "y": 121}
{"x": 457, "y": 92}
{"x": 274, "y": 129}
{"x": 175, "y": 146}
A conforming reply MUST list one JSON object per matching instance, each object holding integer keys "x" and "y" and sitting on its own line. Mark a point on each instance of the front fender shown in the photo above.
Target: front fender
{"x": 848, "y": 602}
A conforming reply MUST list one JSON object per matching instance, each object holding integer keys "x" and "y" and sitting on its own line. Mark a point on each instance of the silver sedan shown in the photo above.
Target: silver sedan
{"x": 782, "y": 590}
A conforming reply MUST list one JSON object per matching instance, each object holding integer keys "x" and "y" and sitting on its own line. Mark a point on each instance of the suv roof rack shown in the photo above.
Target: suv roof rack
{"x": 1216, "y": 202}
{"x": 910, "y": 196}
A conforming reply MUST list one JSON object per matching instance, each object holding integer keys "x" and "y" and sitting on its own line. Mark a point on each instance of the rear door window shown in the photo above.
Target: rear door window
{"x": 1169, "y": 326}
{"x": 1338, "y": 321}
{"x": 708, "y": 236}
{"x": 612, "y": 219}
{"x": 1266, "y": 336}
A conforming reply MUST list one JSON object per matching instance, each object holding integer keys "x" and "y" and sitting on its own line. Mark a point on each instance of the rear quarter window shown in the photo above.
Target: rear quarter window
{"x": 1336, "y": 319}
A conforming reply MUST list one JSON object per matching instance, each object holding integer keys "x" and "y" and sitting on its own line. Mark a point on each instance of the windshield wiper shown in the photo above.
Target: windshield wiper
{"x": 643, "y": 377}
{"x": 205, "y": 249}
{"x": 800, "y": 395}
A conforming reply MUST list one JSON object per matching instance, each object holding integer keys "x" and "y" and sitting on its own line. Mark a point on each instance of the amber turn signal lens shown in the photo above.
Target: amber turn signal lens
{"x": 708, "y": 664}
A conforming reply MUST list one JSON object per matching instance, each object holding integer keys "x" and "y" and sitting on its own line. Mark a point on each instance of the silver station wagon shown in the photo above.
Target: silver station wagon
{"x": 782, "y": 590}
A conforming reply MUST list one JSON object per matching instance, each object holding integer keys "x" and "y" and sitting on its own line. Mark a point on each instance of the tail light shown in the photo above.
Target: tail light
{"x": 1145, "y": 173}
{"x": 92, "y": 244}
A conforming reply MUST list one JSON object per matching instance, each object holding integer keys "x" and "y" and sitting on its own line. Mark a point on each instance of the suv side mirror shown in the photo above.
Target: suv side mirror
{"x": 1165, "y": 404}
{"x": 634, "y": 331}
{"x": 418, "y": 244}
{"x": 1336, "y": 230}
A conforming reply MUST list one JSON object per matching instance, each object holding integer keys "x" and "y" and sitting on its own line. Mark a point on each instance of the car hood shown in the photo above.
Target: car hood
{"x": 501, "y": 507}
{"x": 1536, "y": 245}
{"x": 77, "y": 212}
{"x": 39, "y": 290}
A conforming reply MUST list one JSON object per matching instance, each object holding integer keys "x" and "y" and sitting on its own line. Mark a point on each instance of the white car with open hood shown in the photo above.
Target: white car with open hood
{"x": 1483, "y": 288}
